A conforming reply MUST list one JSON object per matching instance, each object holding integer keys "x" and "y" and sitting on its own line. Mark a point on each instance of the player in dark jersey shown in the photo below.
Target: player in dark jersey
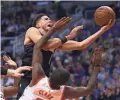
{"x": 42, "y": 24}
{"x": 28, "y": 51}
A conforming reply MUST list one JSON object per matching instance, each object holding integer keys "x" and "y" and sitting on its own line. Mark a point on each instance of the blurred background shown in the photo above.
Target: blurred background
{"x": 17, "y": 16}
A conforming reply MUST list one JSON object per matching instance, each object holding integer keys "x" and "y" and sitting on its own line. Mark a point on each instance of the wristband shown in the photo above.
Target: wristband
{"x": 63, "y": 39}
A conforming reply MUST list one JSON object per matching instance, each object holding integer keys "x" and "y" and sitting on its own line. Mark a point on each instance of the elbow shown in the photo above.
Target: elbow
{"x": 81, "y": 46}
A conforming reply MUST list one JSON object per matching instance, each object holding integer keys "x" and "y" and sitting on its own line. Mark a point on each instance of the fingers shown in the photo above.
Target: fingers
{"x": 78, "y": 28}
{"x": 109, "y": 25}
{"x": 21, "y": 74}
{"x": 65, "y": 21}
{"x": 25, "y": 68}
{"x": 18, "y": 75}
{"x": 61, "y": 23}
{"x": 18, "y": 71}
{"x": 111, "y": 22}
{"x": 61, "y": 19}
{"x": 31, "y": 67}
{"x": 81, "y": 27}
{"x": 96, "y": 59}
{"x": 97, "y": 53}
{"x": 5, "y": 58}
{"x": 9, "y": 58}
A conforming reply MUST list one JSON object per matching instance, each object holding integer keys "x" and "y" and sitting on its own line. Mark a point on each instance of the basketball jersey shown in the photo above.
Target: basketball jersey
{"x": 27, "y": 60}
{"x": 42, "y": 91}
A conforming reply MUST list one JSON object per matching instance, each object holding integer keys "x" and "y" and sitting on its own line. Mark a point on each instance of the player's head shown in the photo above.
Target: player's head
{"x": 59, "y": 77}
{"x": 43, "y": 21}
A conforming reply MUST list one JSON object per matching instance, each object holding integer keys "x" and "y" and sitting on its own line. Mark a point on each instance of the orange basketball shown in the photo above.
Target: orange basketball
{"x": 103, "y": 15}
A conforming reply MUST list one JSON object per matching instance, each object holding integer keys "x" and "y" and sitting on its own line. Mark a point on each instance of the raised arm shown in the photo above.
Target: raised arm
{"x": 76, "y": 92}
{"x": 38, "y": 71}
{"x": 74, "y": 45}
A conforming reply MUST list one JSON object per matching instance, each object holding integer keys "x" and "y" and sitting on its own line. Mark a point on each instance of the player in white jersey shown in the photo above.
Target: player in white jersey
{"x": 53, "y": 88}
{"x": 42, "y": 91}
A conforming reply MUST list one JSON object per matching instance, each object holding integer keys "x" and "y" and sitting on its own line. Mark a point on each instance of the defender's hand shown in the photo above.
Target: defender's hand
{"x": 97, "y": 57}
{"x": 9, "y": 62}
{"x": 61, "y": 23}
{"x": 18, "y": 72}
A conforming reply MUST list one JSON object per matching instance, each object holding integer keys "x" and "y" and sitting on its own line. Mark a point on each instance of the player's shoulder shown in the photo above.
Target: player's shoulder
{"x": 34, "y": 28}
{"x": 31, "y": 30}
{"x": 44, "y": 79}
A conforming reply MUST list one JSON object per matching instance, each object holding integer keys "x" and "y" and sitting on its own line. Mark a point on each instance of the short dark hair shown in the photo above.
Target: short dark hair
{"x": 38, "y": 17}
{"x": 59, "y": 77}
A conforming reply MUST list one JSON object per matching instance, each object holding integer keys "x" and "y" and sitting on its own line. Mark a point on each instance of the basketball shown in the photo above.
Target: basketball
{"x": 103, "y": 15}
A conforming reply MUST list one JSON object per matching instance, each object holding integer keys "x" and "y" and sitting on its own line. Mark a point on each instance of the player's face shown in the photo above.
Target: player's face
{"x": 46, "y": 23}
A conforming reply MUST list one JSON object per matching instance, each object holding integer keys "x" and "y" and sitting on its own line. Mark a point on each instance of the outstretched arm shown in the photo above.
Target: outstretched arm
{"x": 38, "y": 71}
{"x": 76, "y": 92}
{"x": 74, "y": 45}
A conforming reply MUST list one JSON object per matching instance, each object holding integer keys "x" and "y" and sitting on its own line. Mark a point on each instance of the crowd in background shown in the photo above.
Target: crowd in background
{"x": 78, "y": 63}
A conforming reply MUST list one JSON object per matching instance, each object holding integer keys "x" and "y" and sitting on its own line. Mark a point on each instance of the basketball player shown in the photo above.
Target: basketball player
{"x": 43, "y": 88}
{"x": 41, "y": 25}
